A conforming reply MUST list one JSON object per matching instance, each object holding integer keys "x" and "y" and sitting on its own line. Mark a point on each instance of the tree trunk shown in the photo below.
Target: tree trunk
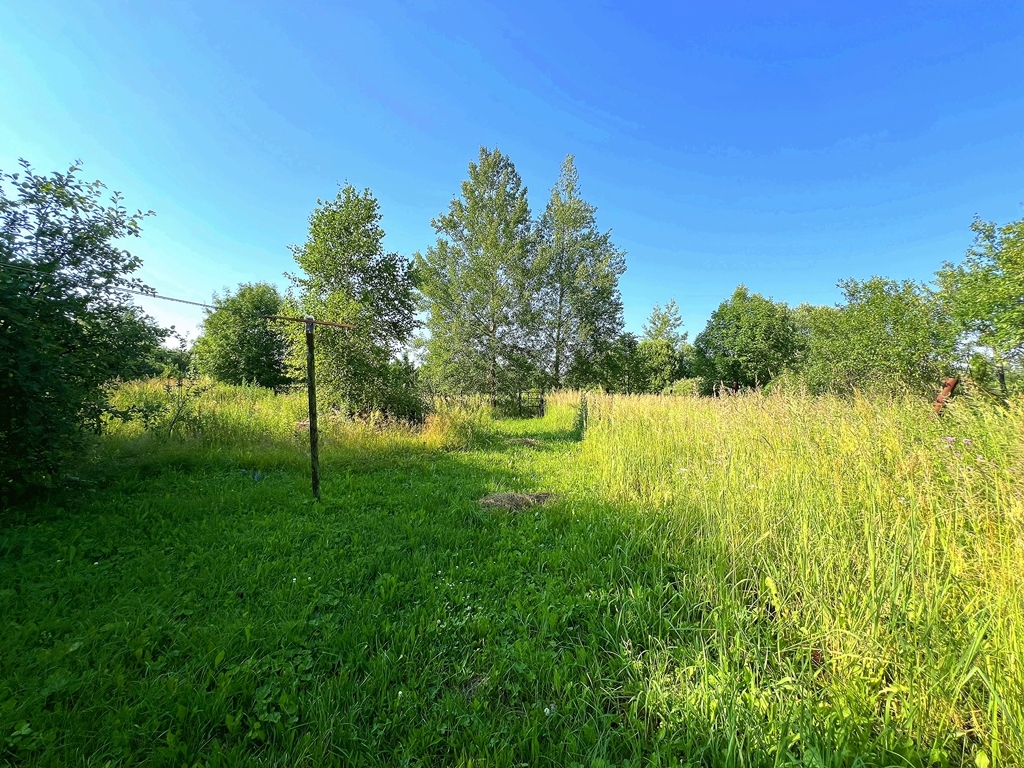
{"x": 558, "y": 339}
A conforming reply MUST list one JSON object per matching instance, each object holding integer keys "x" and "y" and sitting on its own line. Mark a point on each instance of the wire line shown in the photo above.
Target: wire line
{"x": 183, "y": 301}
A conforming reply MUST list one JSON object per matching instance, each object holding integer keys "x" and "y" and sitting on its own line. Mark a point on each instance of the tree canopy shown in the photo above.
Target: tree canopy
{"x": 663, "y": 349}
{"x": 479, "y": 281}
{"x": 889, "y": 335}
{"x": 748, "y": 340}
{"x": 985, "y": 292}
{"x": 239, "y": 344}
{"x": 578, "y": 288}
{"x": 348, "y": 277}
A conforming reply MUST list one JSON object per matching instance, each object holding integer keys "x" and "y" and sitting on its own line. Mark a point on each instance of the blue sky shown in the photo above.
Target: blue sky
{"x": 779, "y": 145}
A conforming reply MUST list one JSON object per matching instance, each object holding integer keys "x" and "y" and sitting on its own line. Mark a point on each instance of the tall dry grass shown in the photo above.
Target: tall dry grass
{"x": 232, "y": 417}
{"x": 860, "y": 559}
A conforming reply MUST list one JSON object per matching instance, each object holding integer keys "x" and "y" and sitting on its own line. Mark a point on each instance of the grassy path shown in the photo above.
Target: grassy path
{"x": 191, "y": 612}
{"x": 188, "y": 605}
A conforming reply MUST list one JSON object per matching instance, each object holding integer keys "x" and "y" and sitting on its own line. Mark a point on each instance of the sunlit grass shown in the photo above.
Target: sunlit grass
{"x": 860, "y": 564}
{"x": 745, "y": 581}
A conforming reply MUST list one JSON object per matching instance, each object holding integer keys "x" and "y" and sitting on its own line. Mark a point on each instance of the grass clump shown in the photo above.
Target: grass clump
{"x": 745, "y": 581}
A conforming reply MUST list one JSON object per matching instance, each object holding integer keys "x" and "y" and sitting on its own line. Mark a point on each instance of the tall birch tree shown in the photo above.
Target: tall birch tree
{"x": 579, "y": 304}
{"x": 478, "y": 282}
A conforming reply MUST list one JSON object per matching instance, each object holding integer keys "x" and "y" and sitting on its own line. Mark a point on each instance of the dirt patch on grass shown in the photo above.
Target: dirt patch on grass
{"x": 515, "y": 501}
{"x": 474, "y": 686}
{"x": 525, "y": 441}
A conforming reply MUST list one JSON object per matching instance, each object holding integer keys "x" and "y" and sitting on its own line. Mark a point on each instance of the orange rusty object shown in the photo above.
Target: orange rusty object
{"x": 948, "y": 387}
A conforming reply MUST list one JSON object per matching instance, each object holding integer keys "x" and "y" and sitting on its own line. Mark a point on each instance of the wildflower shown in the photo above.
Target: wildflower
{"x": 949, "y": 440}
{"x": 967, "y": 441}
{"x": 293, "y": 581}
{"x": 399, "y": 694}
{"x": 96, "y": 563}
{"x": 547, "y": 710}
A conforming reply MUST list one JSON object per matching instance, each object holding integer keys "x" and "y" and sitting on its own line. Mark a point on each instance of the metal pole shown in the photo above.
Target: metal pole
{"x": 314, "y": 449}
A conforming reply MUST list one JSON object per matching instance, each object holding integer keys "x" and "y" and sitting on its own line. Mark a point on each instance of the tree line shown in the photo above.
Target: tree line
{"x": 503, "y": 302}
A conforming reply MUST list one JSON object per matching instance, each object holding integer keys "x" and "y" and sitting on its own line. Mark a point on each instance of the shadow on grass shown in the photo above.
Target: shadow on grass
{"x": 199, "y": 608}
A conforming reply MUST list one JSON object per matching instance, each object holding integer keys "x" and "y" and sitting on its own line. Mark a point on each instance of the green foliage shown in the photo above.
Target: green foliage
{"x": 622, "y": 368}
{"x": 239, "y": 344}
{"x": 515, "y": 306}
{"x": 66, "y": 327}
{"x": 748, "y": 340}
{"x": 663, "y": 349}
{"x": 632, "y": 365}
{"x": 888, "y": 336}
{"x": 664, "y": 324}
{"x": 992, "y": 382}
{"x": 170, "y": 362}
{"x": 687, "y": 387}
{"x": 578, "y": 292}
{"x": 984, "y": 292}
{"x": 661, "y": 364}
{"x": 348, "y": 277}
{"x": 479, "y": 281}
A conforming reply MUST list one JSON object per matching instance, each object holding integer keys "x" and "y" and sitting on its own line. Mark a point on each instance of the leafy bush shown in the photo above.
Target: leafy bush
{"x": 67, "y": 325}
{"x": 683, "y": 388}
{"x": 889, "y": 336}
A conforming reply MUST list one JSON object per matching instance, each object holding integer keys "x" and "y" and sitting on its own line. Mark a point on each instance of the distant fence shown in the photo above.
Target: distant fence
{"x": 521, "y": 405}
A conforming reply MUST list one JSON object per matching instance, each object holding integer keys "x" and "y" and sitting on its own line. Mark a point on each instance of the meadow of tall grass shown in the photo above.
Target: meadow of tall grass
{"x": 860, "y": 567}
{"x": 748, "y": 580}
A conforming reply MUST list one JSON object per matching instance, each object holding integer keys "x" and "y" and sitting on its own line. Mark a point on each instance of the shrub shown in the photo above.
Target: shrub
{"x": 66, "y": 322}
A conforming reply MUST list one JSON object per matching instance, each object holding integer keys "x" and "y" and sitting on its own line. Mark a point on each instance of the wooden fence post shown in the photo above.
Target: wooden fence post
{"x": 314, "y": 437}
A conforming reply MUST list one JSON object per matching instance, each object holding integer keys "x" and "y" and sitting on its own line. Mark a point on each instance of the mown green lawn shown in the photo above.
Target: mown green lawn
{"x": 187, "y": 604}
